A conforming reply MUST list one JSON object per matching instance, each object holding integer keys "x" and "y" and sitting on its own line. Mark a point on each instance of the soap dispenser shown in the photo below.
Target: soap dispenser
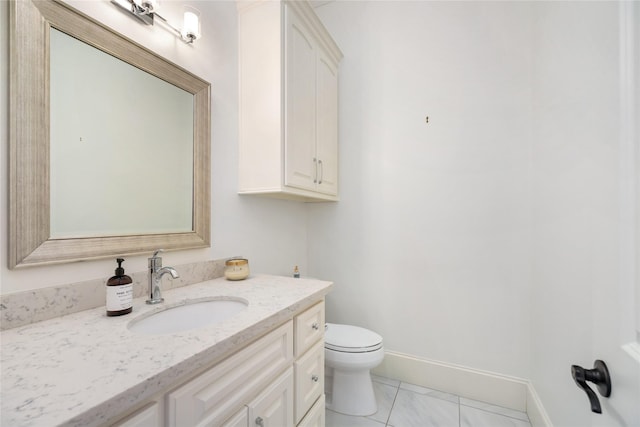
{"x": 119, "y": 292}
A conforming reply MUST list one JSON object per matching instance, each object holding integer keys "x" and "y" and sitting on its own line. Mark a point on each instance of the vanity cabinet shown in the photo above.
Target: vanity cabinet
{"x": 214, "y": 374}
{"x": 209, "y": 398}
{"x": 277, "y": 381}
{"x": 288, "y": 102}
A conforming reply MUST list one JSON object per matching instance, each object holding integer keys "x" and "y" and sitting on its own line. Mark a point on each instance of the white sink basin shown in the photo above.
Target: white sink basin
{"x": 188, "y": 315}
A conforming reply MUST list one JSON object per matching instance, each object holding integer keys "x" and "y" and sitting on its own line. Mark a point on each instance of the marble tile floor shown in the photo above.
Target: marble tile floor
{"x": 406, "y": 405}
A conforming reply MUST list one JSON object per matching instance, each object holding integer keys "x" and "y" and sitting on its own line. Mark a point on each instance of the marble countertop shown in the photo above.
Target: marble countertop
{"x": 85, "y": 368}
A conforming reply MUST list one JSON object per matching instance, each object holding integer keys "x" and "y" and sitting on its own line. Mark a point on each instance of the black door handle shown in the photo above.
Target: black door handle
{"x": 599, "y": 375}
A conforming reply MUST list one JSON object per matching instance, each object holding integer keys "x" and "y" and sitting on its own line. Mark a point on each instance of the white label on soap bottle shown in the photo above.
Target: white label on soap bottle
{"x": 119, "y": 297}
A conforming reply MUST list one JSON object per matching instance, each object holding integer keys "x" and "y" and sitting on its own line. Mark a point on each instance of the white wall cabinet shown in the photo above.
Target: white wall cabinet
{"x": 288, "y": 102}
{"x": 276, "y": 381}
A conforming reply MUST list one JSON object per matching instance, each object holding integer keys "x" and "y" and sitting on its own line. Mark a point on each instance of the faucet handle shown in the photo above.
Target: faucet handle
{"x": 155, "y": 254}
{"x": 155, "y": 262}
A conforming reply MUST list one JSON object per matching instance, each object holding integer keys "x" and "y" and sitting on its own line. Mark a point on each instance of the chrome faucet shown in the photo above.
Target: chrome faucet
{"x": 156, "y": 271}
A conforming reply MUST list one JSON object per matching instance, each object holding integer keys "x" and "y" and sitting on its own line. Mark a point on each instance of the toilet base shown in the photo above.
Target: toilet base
{"x": 352, "y": 393}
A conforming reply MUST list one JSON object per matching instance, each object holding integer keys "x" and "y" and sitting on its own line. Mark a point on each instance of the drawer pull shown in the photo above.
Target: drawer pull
{"x": 315, "y": 378}
{"x": 260, "y": 422}
{"x": 315, "y": 326}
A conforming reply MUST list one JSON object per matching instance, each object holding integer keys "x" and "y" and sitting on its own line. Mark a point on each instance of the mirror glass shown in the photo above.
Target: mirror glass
{"x": 121, "y": 143}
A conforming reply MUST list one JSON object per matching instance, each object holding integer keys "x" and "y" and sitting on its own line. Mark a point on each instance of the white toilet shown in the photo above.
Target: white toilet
{"x": 349, "y": 353}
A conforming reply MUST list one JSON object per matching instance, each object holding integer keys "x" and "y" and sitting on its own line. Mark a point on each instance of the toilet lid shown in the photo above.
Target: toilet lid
{"x": 351, "y": 339}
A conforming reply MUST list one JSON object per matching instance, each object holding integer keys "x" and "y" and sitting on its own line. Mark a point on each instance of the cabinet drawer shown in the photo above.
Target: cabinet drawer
{"x": 309, "y": 328}
{"x": 315, "y": 416}
{"x": 219, "y": 392}
{"x": 309, "y": 371}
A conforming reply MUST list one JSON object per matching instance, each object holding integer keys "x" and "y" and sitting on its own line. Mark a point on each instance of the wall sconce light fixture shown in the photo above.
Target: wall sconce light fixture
{"x": 146, "y": 12}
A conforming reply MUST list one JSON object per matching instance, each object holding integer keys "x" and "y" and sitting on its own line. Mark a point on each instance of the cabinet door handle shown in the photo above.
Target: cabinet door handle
{"x": 315, "y": 164}
{"x": 315, "y": 378}
{"x": 260, "y": 422}
{"x": 321, "y": 171}
{"x": 315, "y": 326}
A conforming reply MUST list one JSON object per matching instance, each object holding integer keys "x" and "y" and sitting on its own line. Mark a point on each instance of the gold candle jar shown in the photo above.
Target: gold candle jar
{"x": 236, "y": 269}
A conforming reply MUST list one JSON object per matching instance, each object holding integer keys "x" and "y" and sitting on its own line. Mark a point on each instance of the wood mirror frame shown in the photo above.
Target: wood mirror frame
{"x": 30, "y": 241}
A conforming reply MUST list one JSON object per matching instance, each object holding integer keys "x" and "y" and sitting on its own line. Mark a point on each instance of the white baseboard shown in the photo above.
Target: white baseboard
{"x": 496, "y": 389}
{"x": 536, "y": 412}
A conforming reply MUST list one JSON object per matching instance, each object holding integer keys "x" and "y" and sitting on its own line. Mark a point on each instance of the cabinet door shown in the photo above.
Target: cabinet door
{"x": 327, "y": 125}
{"x": 316, "y": 415}
{"x": 240, "y": 419}
{"x": 300, "y": 77}
{"x": 274, "y": 406}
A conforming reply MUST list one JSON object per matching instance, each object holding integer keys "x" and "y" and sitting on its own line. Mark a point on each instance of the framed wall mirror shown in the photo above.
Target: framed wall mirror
{"x": 109, "y": 143}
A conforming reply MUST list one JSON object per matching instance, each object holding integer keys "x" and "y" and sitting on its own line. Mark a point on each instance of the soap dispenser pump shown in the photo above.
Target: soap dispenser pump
{"x": 119, "y": 292}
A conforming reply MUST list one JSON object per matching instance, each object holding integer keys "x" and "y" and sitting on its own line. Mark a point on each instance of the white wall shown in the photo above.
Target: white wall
{"x": 271, "y": 233}
{"x": 430, "y": 243}
{"x": 489, "y": 237}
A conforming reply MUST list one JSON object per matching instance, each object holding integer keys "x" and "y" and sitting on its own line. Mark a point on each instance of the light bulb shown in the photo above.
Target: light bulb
{"x": 191, "y": 25}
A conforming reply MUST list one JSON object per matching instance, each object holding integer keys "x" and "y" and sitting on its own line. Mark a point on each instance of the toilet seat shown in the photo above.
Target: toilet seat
{"x": 351, "y": 339}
